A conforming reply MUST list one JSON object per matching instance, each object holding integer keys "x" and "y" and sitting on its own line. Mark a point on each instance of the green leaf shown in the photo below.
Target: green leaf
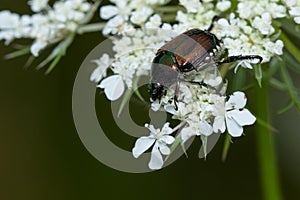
{"x": 272, "y": 68}
{"x": 137, "y": 92}
{"x": 175, "y": 144}
{"x": 265, "y": 124}
{"x": 54, "y": 63}
{"x": 135, "y": 88}
{"x": 285, "y": 108}
{"x": 226, "y": 147}
{"x": 289, "y": 86}
{"x": 18, "y": 53}
{"x": 125, "y": 100}
{"x": 290, "y": 27}
{"x": 29, "y": 61}
{"x": 291, "y": 62}
{"x": 277, "y": 84}
{"x": 58, "y": 51}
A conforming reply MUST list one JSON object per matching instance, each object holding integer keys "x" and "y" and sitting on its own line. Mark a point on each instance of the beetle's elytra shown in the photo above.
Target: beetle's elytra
{"x": 194, "y": 49}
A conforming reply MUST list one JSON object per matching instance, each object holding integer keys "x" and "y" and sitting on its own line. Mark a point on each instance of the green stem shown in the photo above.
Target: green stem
{"x": 169, "y": 9}
{"x": 226, "y": 147}
{"x": 265, "y": 149}
{"x": 91, "y": 28}
{"x": 290, "y": 46}
{"x": 168, "y": 17}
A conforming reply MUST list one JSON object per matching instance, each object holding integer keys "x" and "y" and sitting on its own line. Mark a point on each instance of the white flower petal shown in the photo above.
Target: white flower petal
{"x": 233, "y": 128}
{"x": 297, "y": 20}
{"x": 278, "y": 47}
{"x": 295, "y": 11}
{"x": 205, "y": 128}
{"x": 243, "y": 117}
{"x": 108, "y": 11}
{"x": 219, "y": 124}
{"x": 152, "y": 130}
{"x": 164, "y": 149}
{"x": 156, "y": 161}
{"x": 37, "y": 46}
{"x": 223, "y": 5}
{"x": 223, "y": 22}
{"x": 113, "y": 87}
{"x": 168, "y": 139}
{"x": 170, "y": 109}
{"x": 155, "y": 106}
{"x": 166, "y": 130}
{"x": 98, "y": 74}
{"x": 237, "y": 100}
{"x": 187, "y": 133}
{"x": 141, "y": 145}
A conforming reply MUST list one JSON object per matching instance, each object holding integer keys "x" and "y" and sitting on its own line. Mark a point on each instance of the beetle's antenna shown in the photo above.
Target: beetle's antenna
{"x": 240, "y": 57}
{"x": 215, "y": 18}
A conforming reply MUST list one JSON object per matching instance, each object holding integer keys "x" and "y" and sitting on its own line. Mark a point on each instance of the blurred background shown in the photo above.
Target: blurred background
{"x": 42, "y": 156}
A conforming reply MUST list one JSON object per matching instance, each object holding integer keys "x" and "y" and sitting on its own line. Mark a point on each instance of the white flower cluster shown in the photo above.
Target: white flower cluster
{"x": 204, "y": 108}
{"x": 140, "y": 30}
{"x": 38, "y": 5}
{"x": 202, "y": 112}
{"x": 248, "y": 31}
{"x": 125, "y": 13}
{"x": 293, "y": 9}
{"x": 48, "y": 25}
{"x": 161, "y": 139}
{"x": 134, "y": 52}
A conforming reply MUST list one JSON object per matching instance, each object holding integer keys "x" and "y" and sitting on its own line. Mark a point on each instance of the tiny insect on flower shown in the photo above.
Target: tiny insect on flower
{"x": 194, "y": 49}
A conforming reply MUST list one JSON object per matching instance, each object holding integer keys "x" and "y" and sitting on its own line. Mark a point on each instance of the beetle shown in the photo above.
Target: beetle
{"x": 194, "y": 49}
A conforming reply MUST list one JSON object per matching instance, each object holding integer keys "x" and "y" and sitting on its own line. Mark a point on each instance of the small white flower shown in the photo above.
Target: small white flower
{"x": 181, "y": 113}
{"x": 102, "y": 64}
{"x": 139, "y": 16}
{"x": 9, "y": 23}
{"x": 212, "y": 80}
{"x": 154, "y": 22}
{"x": 264, "y": 24}
{"x": 275, "y": 47}
{"x": 295, "y": 12}
{"x": 223, "y": 5}
{"x": 37, "y": 46}
{"x": 107, "y": 12}
{"x": 290, "y": 3}
{"x": 246, "y": 8}
{"x": 276, "y": 11}
{"x": 113, "y": 87}
{"x": 113, "y": 25}
{"x": 160, "y": 139}
{"x": 155, "y": 106}
{"x": 234, "y": 114}
{"x": 196, "y": 128}
{"x": 229, "y": 29}
{"x": 38, "y": 5}
{"x": 190, "y": 5}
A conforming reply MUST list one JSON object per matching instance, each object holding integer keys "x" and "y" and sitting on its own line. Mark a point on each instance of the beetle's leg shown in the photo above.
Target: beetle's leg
{"x": 215, "y": 18}
{"x": 202, "y": 84}
{"x": 240, "y": 57}
{"x": 176, "y": 95}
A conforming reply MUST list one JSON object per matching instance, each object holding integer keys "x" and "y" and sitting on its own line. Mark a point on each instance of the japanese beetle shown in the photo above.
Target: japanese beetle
{"x": 194, "y": 49}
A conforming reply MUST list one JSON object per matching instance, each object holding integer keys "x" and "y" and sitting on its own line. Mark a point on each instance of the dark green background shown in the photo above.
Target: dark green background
{"x": 42, "y": 156}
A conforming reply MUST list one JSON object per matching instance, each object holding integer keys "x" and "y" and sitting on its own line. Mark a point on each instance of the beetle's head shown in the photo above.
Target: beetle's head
{"x": 156, "y": 91}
